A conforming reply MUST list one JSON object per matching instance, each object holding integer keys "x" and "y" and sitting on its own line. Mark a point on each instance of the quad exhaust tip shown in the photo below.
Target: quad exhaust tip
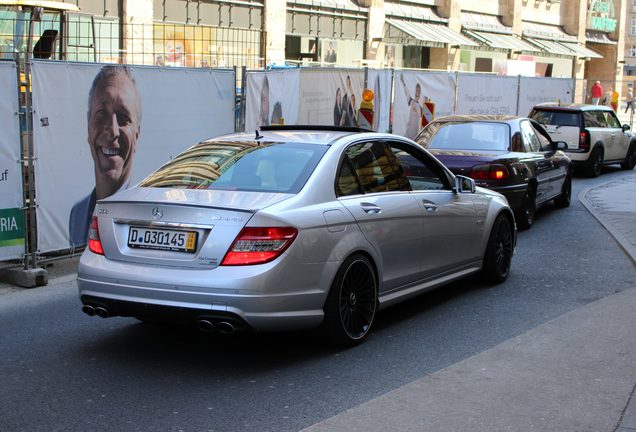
{"x": 92, "y": 311}
{"x": 222, "y": 327}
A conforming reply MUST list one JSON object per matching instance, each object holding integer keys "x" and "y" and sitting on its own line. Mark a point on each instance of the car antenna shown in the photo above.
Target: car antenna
{"x": 258, "y": 135}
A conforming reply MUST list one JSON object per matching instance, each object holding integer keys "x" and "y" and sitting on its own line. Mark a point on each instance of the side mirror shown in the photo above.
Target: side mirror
{"x": 464, "y": 184}
{"x": 561, "y": 145}
{"x": 626, "y": 127}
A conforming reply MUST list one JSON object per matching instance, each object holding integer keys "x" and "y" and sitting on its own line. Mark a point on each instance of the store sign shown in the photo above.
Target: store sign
{"x": 601, "y": 16}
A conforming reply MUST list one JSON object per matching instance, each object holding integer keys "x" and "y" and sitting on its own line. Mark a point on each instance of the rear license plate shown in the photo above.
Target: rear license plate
{"x": 160, "y": 239}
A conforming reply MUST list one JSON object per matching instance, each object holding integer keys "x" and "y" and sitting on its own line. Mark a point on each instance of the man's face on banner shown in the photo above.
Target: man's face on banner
{"x": 113, "y": 130}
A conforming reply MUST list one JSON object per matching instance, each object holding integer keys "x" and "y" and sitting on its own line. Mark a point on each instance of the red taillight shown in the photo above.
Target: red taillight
{"x": 257, "y": 245}
{"x": 94, "y": 243}
{"x": 489, "y": 172}
{"x": 584, "y": 141}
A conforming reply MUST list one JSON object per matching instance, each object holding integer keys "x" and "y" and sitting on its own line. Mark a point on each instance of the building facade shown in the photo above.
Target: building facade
{"x": 587, "y": 40}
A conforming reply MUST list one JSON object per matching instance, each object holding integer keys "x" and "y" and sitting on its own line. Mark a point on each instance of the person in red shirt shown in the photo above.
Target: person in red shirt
{"x": 597, "y": 92}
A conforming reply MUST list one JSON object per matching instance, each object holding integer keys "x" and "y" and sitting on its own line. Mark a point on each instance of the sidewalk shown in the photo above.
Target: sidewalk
{"x": 574, "y": 373}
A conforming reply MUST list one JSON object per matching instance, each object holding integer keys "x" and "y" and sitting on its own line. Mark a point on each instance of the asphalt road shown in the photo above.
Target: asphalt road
{"x": 63, "y": 371}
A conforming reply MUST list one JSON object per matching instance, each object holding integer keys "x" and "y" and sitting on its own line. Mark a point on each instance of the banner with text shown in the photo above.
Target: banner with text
{"x": 330, "y": 96}
{"x": 102, "y": 128}
{"x": 271, "y": 98}
{"x": 486, "y": 94}
{"x": 533, "y": 91}
{"x": 419, "y": 97}
{"x": 11, "y": 199}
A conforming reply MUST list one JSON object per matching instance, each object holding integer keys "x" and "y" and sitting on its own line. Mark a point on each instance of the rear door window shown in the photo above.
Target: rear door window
{"x": 595, "y": 119}
{"x": 370, "y": 167}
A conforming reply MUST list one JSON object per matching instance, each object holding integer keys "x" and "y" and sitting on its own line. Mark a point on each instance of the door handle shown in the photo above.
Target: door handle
{"x": 370, "y": 208}
{"x": 429, "y": 205}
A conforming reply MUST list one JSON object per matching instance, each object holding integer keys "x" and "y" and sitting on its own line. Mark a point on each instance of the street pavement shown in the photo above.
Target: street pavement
{"x": 574, "y": 373}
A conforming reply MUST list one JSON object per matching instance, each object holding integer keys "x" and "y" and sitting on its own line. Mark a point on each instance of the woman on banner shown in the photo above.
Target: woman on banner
{"x": 338, "y": 113}
{"x": 415, "y": 110}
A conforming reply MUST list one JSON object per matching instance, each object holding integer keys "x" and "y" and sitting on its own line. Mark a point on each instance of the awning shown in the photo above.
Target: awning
{"x": 552, "y": 47}
{"x": 483, "y": 22}
{"x": 581, "y": 51}
{"x": 502, "y": 41}
{"x": 545, "y": 31}
{"x": 330, "y": 4}
{"x": 427, "y": 33}
{"x": 599, "y": 37}
{"x": 412, "y": 11}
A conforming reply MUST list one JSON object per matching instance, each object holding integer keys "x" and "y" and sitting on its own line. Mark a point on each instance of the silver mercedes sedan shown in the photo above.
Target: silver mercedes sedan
{"x": 289, "y": 228}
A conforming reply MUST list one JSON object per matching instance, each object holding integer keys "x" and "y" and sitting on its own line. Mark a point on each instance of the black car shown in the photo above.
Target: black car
{"x": 511, "y": 155}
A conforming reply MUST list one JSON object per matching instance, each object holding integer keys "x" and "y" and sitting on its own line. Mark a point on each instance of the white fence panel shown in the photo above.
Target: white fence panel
{"x": 134, "y": 127}
{"x": 12, "y": 224}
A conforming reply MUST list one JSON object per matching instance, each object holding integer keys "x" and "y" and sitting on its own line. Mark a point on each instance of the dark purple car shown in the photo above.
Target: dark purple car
{"x": 514, "y": 156}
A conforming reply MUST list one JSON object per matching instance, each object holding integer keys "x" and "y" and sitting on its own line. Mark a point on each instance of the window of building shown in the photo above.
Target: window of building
{"x": 633, "y": 27}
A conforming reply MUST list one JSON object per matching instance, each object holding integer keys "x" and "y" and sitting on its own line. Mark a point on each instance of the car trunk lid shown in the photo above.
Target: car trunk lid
{"x": 176, "y": 227}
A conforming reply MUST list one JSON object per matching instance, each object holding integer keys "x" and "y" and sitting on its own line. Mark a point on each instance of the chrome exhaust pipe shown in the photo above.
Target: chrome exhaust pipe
{"x": 206, "y": 326}
{"x": 102, "y": 312}
{"x": 225, "y": 327}
{"x": 88, "y": 310}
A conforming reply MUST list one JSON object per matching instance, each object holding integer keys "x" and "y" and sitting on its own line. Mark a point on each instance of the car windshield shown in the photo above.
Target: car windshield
{"x": 560, "y": 118}
{"x": 466, "y": 136}
{"x": 246, "y": 166}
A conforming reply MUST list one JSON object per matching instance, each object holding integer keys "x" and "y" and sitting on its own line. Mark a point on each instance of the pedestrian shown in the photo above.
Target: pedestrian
{"x": 597, "y": 92}
{"x": 630, "y": 100}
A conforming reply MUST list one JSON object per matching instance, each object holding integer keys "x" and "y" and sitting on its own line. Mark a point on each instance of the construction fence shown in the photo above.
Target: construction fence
{"x": 51, "y": 160}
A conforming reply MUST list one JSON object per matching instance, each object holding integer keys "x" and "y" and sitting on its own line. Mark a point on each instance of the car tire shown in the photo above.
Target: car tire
{"x": 630, "y": 160}
{"x": 526, "y": 213}
{"x": 352, "y": 302}
{"x": 564, "y": 199}
{"x": 498, "y": 256}
{"x": 594, "y": 165}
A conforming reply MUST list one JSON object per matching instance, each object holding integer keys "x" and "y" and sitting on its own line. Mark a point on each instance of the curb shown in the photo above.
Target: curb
{"x": 629, "y": 249}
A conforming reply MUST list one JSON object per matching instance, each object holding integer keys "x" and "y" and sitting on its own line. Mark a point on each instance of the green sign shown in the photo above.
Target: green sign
{"x": 601, "y": 16}
{"x": 11, "y": 227}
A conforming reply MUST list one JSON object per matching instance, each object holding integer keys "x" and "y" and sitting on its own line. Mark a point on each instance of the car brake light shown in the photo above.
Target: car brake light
{"x": 259, "y": 245}
{"x": 489, "y": 172}
{"x": 94, "y": 243}
{"x": 584, "y": 141}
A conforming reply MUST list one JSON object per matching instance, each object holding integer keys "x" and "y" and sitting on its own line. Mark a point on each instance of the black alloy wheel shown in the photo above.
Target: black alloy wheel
{"x": 498, "y": 256}
{"x": 526, "y": 213}
{"x": 352, "y": 302}
{"x": 595, "y": 163}
{"x": 630, "y": 160}
{"x": 565, "y": 198}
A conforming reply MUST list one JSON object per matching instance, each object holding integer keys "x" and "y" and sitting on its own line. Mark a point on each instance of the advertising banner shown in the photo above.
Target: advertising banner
{"x": 330, "y": 96}
{"x": 99, "y": 129}
{"x": 415, "y": 94}
{"x": 380, "y": 82}
{"x": 486, "y": 94}
{"x": 11, "y": 214}
{"x": 271, "y": 98}
{"x": 533, "y": 91}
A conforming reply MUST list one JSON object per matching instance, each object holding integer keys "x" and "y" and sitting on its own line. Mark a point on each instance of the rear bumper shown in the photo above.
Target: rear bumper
{"x": 282, "y": 295}
{"x": 513, "y": 193}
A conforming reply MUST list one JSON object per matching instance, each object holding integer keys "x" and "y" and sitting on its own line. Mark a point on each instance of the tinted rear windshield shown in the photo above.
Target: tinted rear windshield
{"x": 555, "y": 118}
{"x": 247, "y": 166}
{"x": 466, "y": 136}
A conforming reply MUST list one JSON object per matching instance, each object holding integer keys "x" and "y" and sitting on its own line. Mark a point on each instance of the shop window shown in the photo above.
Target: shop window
{"x": 416, "y": 57}
{"x": 483, "y": 64}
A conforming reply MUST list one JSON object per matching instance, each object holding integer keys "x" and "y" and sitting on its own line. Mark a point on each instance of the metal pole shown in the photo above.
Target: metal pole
{"x": 243, "y": 88}
{"x": 31, "y": 258}
{"x": 392, "y": 98}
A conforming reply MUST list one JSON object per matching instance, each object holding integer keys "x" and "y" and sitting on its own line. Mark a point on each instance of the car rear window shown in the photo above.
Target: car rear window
{"x": 247, "y": 166}
{"x": 555, "y": 118}
{"x": 466, "y": 136}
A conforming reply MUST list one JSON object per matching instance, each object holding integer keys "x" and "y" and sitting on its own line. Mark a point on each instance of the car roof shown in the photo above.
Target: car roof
{"x": 312, "y": 134}
{"x": 477, "y": 118}
{"x": 572, "y": 107}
